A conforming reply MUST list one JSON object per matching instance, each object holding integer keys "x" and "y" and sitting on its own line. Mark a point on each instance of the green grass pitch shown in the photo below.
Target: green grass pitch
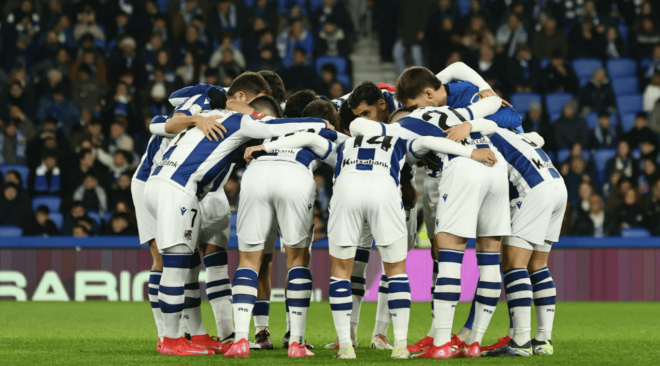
{"x": 114, "y": 333}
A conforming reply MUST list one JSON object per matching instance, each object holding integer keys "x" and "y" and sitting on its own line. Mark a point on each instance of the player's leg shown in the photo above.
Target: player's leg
{"x": 299, "y": 284}
{"x": 516, "y": 253}
{"x": 154, "y": 282}
{"x": 261, "y": 310}
{"x": 359, "y": 280}
{"x": 545, "y": 299}
{"x": 398, "y": 295}
{"x": 192, "y": 313}
{"x": 341, "y": 304}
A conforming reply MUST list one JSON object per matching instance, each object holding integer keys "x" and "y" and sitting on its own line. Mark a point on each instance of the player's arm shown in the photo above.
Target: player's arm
{"x": 476, "y": 111}
{"x": 211, "y": 128}
{"x": 267, "y": 128}
{"x": 364, "y": 127}
{"x": 320, "y": 146}
{"x": 461, "y": 71}
{"x": 535, "y": 138}
{"x": 421, "y": 146}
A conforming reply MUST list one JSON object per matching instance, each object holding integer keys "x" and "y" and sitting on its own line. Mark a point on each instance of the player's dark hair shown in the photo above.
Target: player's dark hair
{"x": 276, "y": 84}
{"x": 322, "y": 109}
{"x": 413, "y": 81}
{"x": 267, "y": 105}
{"x": 366, "y": 92}
{"x": 406, "y": 110}
{"x": 346, "y": 116}
{"x": 249, "y": 83}
{"x": 297, "y": 103}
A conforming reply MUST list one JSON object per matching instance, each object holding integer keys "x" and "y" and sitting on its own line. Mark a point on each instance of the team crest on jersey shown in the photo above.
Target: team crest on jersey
{"x": 195, "y": 109}
{"x": 257, "y": 115}
{"x": 188, "y": 235}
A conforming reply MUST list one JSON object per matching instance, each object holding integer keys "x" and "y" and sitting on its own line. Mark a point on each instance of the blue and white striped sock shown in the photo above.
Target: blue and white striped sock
{"x": 398, "y": 301}
{"x": 297, "y": 300}
{"x": 447, "y": 293}
{"x": 382, "y": 309}
{"x": 545, "y": 299}
{"x": 358, "y": 284}
{"x": 434, "y": 277}
{"x": 154, "y": 282}
{"x": 192, "y": 312}
{"x": 171, "y": 291}
{"x": 519, "y": 300}
{"x": 489, "y": 288}
{"x": 341, "y": 305}
{"x": 244, "y": 295}
{"x": 218, "y": 291}
{"x": 261, "y": 313}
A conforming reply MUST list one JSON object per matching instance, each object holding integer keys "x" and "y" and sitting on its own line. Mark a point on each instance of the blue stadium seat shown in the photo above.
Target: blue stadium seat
{"x": 315, "y": 4}
{"x": 592, "y": 119}
{"x": 621, "y": 68}
{"x": 625, "y": 86}
{"x": 57, "y": 219}
{"x": 554, "y": 102}
{"x": 601, "y": 156}
{"x": 52, "y": 202}
{"x": 10, "y": 231}
{"x": 544, "y": 62}
{"x": 248, "y": 3}
{"x": 520, "y": 101}
{"x": 644, "y": 64}
{"x": 629, "y": 103}
{"x": 635, "y": 233}
{"x": 463, "y": 7}
{"x": 95, "y": 216}
{"x": 628, "y": 122}
{"x": 554, "y": 116}
{"x": 284, "y": 5}
{"x": 339, "y": 62}
{"x": 623, "y": 33}
{"x": 22, "y": 170}
{"x": 637, "y": 153}
{"x": 584, "y": 68}
{"x": 563, "y": 154}
{"x": 345, "y": 80}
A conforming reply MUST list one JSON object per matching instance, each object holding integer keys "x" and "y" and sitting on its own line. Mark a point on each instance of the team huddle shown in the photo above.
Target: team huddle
{"x": 484, "y": 178}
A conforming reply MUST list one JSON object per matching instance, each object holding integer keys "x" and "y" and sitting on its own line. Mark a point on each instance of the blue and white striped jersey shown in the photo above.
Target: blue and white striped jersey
{"x": 158, "y": 143}
{"x": 529, "y": 166}
{"x": 462, "y": 94}
{"x": 431, "y": 121}
{"x": 183, "y": 94}
{"x": 193, "y": 163}
{"x": 303, "y": 156}
{"x": 383, "y": 155}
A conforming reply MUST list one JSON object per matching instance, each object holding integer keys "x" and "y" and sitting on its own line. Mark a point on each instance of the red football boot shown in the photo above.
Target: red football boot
{"x": 240, "y": 349}
{"x": 457, "y": 346}
{"x": 432, "y": 351}
{"x": 499, "y": 344}
{"x": 181, "y": 347}
{"x": 228, "y": 342}
{"x": 205, "y": 342}
{"x": 299, "y": 351}
{"x": 420, "y": 345}
{"x": 471, "y": 350}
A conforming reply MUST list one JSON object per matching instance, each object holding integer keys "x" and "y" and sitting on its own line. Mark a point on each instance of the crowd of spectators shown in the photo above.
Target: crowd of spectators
{"x": 81, "y": 79}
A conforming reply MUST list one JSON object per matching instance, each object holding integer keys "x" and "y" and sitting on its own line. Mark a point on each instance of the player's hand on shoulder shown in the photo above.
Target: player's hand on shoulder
{"x": 212, "y": 129}
{"x": 485, "y": 156}
{"x": 460, "y": 132}
{"x": 254, "y": 152}
{"x": 490, "y": 93}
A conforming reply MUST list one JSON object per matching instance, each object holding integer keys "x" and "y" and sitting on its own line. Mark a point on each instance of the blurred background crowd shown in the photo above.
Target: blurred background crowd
{"x": 81, "y": 79}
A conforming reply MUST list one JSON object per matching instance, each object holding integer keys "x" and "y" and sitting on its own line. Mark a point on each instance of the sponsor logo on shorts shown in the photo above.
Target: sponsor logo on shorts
{"x": 518, "y": 204}
{"x": 309, "y": 207}
{"x": 365, "y": 162}
{"x": 444, "y": 197}
{"x": 437, "y": 222}
{"x": 183, "y": 211}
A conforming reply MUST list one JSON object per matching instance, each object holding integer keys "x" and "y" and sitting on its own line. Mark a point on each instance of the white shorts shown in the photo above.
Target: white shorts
{"x": 176, "y": 212}
{"x": 430, "y": 197}
{"x": 474, "y": 199}
{"x": 514, "y": 241}
{"x": 146, "y": 222}
{"x": 360, "y": 198}
{"x": 215, "y": 225}
{"x": 276, "y": 193}
{"x": 537, "y": 217}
